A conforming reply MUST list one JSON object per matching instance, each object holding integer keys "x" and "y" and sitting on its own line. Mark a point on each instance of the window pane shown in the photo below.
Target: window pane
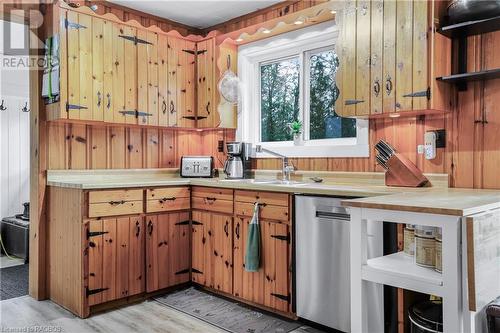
{"x": 279, "y": 98}
{"x": 324, "y": 122}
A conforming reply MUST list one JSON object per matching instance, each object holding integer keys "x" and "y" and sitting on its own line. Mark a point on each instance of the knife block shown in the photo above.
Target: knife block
{"x": 402, "y": 172}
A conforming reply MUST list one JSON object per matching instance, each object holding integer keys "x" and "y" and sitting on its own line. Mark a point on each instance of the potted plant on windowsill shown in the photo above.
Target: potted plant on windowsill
{"x": 296, "y": 131}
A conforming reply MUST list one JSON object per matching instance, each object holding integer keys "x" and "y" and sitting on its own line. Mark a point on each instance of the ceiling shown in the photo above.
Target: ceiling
{"x": 197, "y": 13}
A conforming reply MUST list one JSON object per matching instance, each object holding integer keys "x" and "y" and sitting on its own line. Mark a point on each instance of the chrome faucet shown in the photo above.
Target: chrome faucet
{"x": 287, "y": 167}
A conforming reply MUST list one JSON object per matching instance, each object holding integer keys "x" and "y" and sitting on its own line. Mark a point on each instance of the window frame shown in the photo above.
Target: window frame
{"x": 301, "y": 43}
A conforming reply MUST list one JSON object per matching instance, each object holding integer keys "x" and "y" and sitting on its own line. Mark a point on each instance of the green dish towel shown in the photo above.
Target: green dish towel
{"x": 252, "y": 254}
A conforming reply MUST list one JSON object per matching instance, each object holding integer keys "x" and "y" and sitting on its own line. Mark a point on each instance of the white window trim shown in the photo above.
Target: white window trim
{"x": 297, "y": 42}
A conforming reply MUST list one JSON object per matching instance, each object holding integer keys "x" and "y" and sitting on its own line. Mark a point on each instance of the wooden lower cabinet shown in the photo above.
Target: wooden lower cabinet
{"x": 270, "y": 286}
{"x": 212, "y": 255}
{"x": 116, "y": 257}
{"x": 167, "y": 250}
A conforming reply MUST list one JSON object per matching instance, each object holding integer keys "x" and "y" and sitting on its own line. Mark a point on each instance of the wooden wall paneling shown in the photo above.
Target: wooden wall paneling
{"x": 389, "y": 68}
{"x": 491, "y": 113}
{"x": 118, "y": 77}
{"x": 172, "y": 66}
{"x": 110, "y": 250}
{"x": 131, "y": 76}
{"x": 363, "y": 55}
{"x": 142, "y": 76}
{"x": 135, "y": 148}
{"x": 118, "y": 148}
{"x": 404, "y": 54}
{"x": 163, "y": 102}
{"x": 421, "y": 30}
{"x": 98, "y": 147}
{"x": 107, "y": 89}
{"x": 152, "y": 148}
{"x": 97, "y": 56}
{"x": 376, "y": 60}
{"x": 168, "y": 151}
{"x": 78, "y": 152}
{"x": 57, "y": 149}
{"x": 137, "y": 273}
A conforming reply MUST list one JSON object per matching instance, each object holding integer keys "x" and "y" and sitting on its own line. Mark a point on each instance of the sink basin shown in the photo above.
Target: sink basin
{"x": 265, "y": 181}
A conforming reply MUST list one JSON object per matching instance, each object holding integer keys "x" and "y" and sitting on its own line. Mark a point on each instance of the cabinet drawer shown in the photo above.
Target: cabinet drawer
{"x": 167, "y": 193}
{"x": 115, "y": 202}
{"x": 213, "y": 204}
{"x": 115, "y": 196}
{"x": 266, "y": 212}
{"x": 167, "y": 204}
{"x": 210, "y": 193}
{"x": 114, "y": 208}
{"x": 269, "y": 198}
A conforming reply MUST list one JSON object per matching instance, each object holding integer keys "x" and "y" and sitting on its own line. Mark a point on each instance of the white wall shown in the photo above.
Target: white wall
{"x": 14, "y": 140}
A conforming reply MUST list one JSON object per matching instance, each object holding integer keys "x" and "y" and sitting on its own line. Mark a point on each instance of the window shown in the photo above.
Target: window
{"x": 291, "y": 78}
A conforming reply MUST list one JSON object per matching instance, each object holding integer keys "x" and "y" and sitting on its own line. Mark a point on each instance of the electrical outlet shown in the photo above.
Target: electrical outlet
{"x": 420, "y": 149}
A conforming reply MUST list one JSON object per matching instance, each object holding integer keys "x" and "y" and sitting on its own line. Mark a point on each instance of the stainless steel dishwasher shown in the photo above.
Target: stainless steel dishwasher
{"x": 322, "y": 263}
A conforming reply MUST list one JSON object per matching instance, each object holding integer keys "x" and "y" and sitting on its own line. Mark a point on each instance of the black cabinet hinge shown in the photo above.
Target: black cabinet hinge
{"x": 194, "y": 117}
{"x": 193, "y": 52}
{"x": 285, "y": 298}
{"x": 182, "y": 223}
{"x": 75, "y": 107}
{"x": 282, "y": 237}
{"x": 184, "y": 271}
{"x": 135, "y": 39}
{"x": 423, "y": 93}
{"x": 196, "y": 223}
{"x": 194, "y": 270}
{"x": 73, "y": 25}
{"x": 135, "y": 113}
{"x": 201, "y": 52}
{"x": 353, "y": 101}
{"x": 89, "y": 292}
{"x": 95, "y": 233}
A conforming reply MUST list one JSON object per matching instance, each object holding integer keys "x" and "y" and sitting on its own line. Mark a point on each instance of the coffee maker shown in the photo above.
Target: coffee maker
{"x": 239, "y": 160}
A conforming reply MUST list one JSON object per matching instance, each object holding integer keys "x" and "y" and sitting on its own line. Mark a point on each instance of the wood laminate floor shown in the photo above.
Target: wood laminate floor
{"x": 147, "y": 316}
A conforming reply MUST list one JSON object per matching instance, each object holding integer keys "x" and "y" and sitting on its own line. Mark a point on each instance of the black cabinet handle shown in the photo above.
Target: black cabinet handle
{"x": 117, "y": 202}
{"x": 150, "y": 227}
{"x": 210, "y": 200}
{"x": 388, "y": 85}
{"x": 208, "y": 108}
{"x": 108, "y": 106}
{"x": 376, "y": 87}
{"x": 237, "y": 230}
{"x": 98, "y": 99}
{"x": 226, "y": 229}
{"x": 164, "y": 107}
{"x": 137, "y": 229}
{"x": 172, "y": 107}
{"x": 162, "y": 200}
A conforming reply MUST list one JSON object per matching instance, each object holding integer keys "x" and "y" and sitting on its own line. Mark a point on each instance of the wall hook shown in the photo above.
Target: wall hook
{"x": 25, "y": 108}
{"x": 2, "y": 107}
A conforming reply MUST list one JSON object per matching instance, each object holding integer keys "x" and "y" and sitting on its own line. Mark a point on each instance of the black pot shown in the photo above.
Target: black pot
{"x": 426, "y": 317}
{"x": 470, "y": 10}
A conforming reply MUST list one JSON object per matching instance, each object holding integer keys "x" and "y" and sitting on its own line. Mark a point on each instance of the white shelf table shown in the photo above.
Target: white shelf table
{"x": 398, "y": 270}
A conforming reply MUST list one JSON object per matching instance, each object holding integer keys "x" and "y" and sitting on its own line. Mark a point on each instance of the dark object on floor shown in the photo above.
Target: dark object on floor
{"x": 225, "y": 314}
{"x": 493, "y": 315}
{"x": 426, "y": 317}
{"x": 13, "y": 281}
{"x": 15, "y": 236}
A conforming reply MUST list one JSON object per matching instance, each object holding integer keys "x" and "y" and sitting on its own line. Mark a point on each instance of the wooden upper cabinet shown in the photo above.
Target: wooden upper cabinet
{"x": 390, "y": 56}
{"x": 206, "y": 82}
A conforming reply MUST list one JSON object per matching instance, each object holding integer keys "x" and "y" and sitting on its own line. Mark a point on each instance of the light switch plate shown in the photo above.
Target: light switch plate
{"x": 420, "y": 149}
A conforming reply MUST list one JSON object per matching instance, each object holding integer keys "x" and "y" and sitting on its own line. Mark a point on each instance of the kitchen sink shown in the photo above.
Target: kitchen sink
{"x": 265, "y": 181}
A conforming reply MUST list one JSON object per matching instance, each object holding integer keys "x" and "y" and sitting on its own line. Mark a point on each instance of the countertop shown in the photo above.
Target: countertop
{"x": 367, "y": 187}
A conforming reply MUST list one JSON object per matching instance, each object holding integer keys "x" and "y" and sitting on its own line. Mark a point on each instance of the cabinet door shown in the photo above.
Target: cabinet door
{"x": 79, "y": 66}
{"x": 163, "y": 99}
{"x": 200, "y": 256}
{"x": 221, "y": 261}
{"x": 167, "y": 250}
{"x": 377, "y": 45}
{"x": 389, "y": 67}
{"x": 118, "y": 77}
{"x": 137, "y": 274}
{"x": 147, "y": 77}
{"x": 404, "y": 55}
{"x": 95, "y": 262}
{"x": 131, "y": 75}
{"x": 421, "y": 30}
{"x": 205, "y": 82}
{"x": 107, "y": 74}
{"x": 363, "y": 61}
{"x": 270, "y": 286}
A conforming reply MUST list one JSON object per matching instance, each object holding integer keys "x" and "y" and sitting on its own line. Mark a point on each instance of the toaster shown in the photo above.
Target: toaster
{"x": 197, "y": 166}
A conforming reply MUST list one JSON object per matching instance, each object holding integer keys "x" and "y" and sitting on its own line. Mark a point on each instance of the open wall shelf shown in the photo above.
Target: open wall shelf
{"x": 470, "y": 28}
{"x": 471, "y": 76}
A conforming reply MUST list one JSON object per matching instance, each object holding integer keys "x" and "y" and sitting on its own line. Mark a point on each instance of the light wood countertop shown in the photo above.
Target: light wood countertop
{"x": 367, "y": 187}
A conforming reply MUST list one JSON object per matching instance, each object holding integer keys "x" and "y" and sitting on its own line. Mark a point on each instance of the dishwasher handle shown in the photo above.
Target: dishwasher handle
{"x": 333, "y": 216}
